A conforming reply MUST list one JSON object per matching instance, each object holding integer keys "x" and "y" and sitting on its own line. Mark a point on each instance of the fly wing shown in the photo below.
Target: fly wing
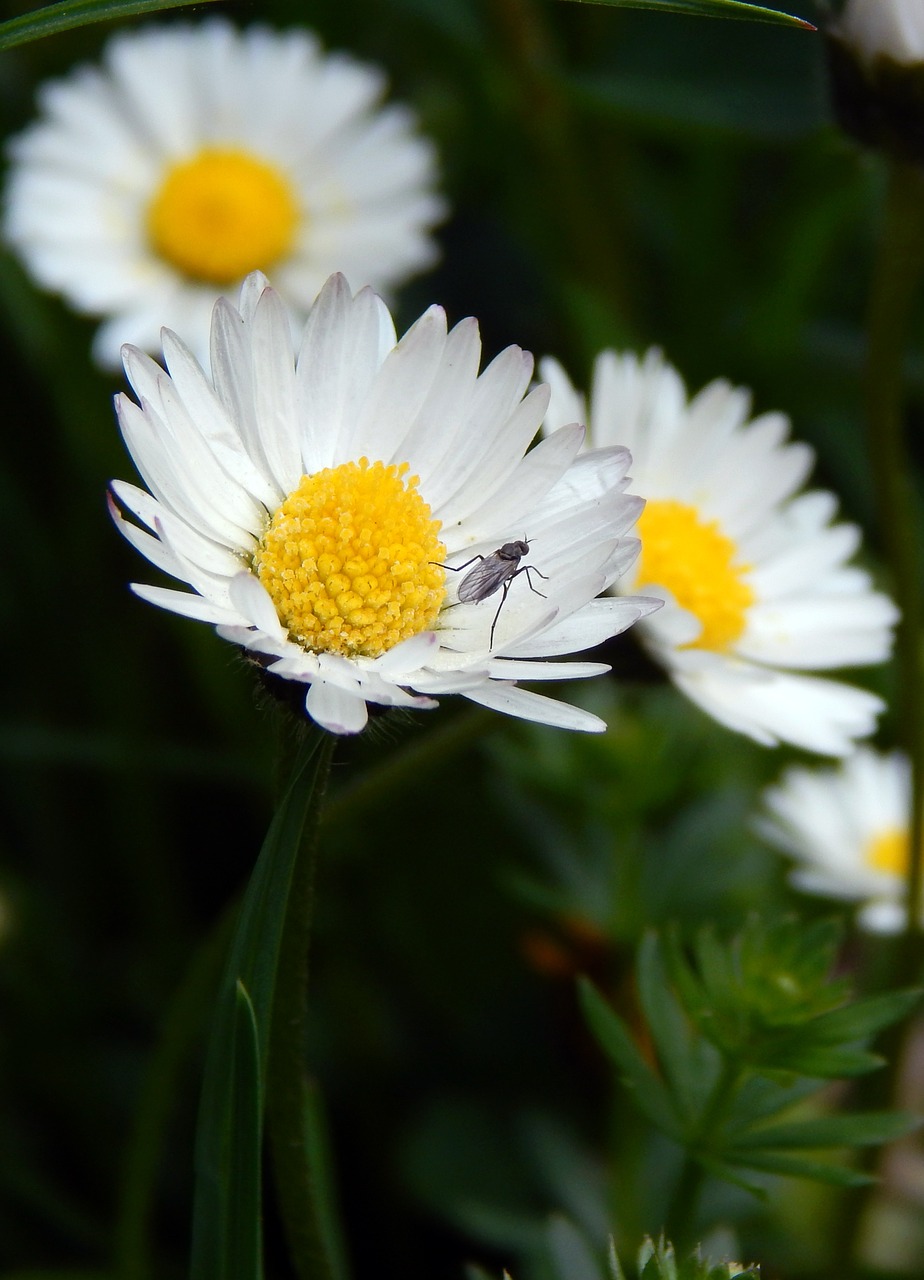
{"x": 484, "y": 579}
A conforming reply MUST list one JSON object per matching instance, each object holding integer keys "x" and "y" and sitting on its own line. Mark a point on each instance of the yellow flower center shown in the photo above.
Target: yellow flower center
{"x": 348, "y": 560}
{"x": 221, "y": 214}
{"x": 889, "y": 852}
{"x": 695, "y": 561}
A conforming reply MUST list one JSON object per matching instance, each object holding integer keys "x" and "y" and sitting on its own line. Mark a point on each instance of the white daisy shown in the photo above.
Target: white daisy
{"x": 848, "y": 829}
{"x": 196, "y": 154}
{"x": 756, "y": 581}
{"x": 311, "y": 504}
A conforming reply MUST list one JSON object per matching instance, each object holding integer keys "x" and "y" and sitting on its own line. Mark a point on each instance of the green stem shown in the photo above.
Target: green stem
{"x": 894, "y": 291}
{"x": 299, "y": 1182}
{"x": 680, "y": 1219}
{"x": 227, "y": 1220}
{"x": 896, "y": 278}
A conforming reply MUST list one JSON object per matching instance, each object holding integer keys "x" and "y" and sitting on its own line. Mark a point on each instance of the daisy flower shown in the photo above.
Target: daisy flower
{"x": 196, "y": 154}
{"x": 317, "y": 506}
{"x": 755, "y": 580}
{"x": 847, "y": 827}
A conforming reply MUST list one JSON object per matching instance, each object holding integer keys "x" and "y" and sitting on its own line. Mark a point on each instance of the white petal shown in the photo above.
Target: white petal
{"x": 499, "y": 696}
{"x": 274, "y": 391}
{"x": 510, "y": 669}
{"x": 344, "y": 344}
{"x": 334, "y": 709}
{"x": 407, "y": 656}
{"x": 252, "y": 601}
{"x": 595, "y": 622}
{"x": 186, "y": 604}
{"x": 819, "y": 715}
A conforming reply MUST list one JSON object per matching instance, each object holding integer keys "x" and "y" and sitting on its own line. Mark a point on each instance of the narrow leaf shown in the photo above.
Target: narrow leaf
{"x": 760, "y": 1098}
{"x": 823, "y": 1063}
{"x": 836, "y": 1175}
{"x": 864, "y": 1129}
{"x": 690, "y": 1073}
{"x": 245, "y": 1238}
{"x": 54, "y": 18}
{"x": 711, "y": 9}
{"x": 614, "y": 1038}
{"x": 723, "y": 1170}
{"x": 862, "y": 1018}
{"x": 253, "y": 961}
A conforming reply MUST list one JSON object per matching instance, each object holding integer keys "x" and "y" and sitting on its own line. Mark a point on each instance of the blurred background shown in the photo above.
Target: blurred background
{"x": 614, "y": 178}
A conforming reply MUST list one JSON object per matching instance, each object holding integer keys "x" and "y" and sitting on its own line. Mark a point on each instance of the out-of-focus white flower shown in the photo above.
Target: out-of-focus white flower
{"x": 312, "y": 502}
{"x": 756, "y": 583}
{"x": 894, "y": 28}
{"x": 196, "y": 154}
{"x": 847, "y": 828}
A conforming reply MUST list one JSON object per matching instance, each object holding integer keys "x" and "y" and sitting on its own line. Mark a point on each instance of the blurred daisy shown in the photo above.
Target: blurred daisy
{"x": 884, "y": 28}
{"x": 197, "y": 154}
{"x": 756, "y": 581}
{"x": 848, "y": 829}
{"x": 312, "y": 505}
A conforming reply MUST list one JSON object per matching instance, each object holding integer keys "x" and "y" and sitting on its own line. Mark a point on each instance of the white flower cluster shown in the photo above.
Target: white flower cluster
{"x": 366, "y": 516}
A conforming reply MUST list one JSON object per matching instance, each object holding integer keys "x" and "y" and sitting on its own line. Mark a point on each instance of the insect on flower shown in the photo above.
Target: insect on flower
{"x": 496, "y": 570}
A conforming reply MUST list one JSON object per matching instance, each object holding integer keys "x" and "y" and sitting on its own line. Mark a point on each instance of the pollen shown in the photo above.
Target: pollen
{"x": 350, "y": 560}
{"x": 889, "y": 852}
{"x": 698, "y": 564}
{"x": 221, "y": 214}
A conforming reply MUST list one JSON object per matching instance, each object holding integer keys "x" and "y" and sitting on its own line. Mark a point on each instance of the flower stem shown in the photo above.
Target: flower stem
{"x": 292, "y": 1113}
{"x": 894, "y": 291}
{"x": 680, "y": 1218}
{"x": 227, "y": 1206}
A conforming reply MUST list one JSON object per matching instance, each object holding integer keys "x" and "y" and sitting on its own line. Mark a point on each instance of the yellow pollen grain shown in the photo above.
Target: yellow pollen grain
{"x": 221, "y": 214}
{"x": 349, "y": 560}
{"x": 889, "y": 852}
{"x": 696, "y": 562}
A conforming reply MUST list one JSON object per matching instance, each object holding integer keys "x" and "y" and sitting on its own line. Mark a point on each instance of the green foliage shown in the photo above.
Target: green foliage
{"x": 710, "y": 9}
{"x": 227, "y": 1221}
{"x": 743, "y": 1033}
{"x": 658, "y": 1261}
{"x": 56, "y": 18}
{"x": 737, "y": 228}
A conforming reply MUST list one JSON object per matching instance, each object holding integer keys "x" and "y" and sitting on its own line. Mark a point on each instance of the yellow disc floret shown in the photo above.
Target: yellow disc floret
{"x": 221, "y": 214}
{"x": 696, "y": 562}
{"x": 889, "y": 852}
{"x": 349, "y": 560}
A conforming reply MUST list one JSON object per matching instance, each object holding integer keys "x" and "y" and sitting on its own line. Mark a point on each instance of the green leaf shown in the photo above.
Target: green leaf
{"x": 711, "y": 9}
{"x": 244, "y": 1132}
{"x": 837, "y": 1175}
{"x": 863, "y": 1129}
{"x": 689, "y": 1066}
{"x": 54, "y": 18}
{"x": 570, "y": 1255}
{"x": 222, "y": 1180}
{"x": 824, "y": 1063}
{"x": 863, "y": 1017}
{"x": 761, "y": 1097}
{"x": 650, "y": 1095}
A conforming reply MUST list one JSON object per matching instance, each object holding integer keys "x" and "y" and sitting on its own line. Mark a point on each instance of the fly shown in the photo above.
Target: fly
{"x": 496, "y": 570}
